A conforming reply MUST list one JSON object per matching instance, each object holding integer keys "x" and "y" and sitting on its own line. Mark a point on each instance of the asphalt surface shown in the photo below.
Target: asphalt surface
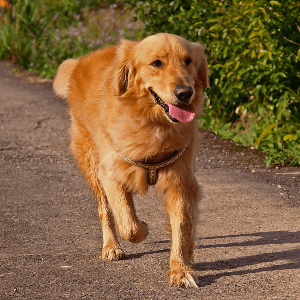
{"x": 248, "y": 244}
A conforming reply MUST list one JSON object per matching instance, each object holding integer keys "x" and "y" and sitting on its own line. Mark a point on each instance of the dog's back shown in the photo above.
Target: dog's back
{"x": 80, "y": 71}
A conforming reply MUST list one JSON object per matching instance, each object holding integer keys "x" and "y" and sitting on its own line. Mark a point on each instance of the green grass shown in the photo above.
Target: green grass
{"x": 40, "y": 34}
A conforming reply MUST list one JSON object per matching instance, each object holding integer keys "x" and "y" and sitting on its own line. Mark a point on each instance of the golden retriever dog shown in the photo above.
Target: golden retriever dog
{"x": 133, "y": 111}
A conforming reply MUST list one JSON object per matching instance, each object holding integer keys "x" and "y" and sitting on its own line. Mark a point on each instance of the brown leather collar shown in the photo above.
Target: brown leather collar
{"x": 152, "y": 169}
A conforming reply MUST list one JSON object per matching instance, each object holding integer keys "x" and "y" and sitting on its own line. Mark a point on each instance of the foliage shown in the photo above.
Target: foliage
{"x": 28, "y": 35}
{"x": 254, "y": 59}
{"x": 40, "y": 34}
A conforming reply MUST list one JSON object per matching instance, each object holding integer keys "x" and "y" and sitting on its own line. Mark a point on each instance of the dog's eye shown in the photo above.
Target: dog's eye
{"x": 157, "y": 63}
{"x": 188, "y": 61}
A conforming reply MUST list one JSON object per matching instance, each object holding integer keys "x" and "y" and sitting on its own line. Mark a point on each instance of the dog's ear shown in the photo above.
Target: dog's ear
{"x": 124, "y": 65}
{"x": 203, "y": 70}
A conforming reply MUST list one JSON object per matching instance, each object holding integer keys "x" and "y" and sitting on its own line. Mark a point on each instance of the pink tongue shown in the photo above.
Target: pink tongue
{"x": 180, "y": 114}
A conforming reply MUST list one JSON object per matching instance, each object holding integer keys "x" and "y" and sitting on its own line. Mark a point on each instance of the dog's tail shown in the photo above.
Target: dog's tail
{"x": 62, "y": 78}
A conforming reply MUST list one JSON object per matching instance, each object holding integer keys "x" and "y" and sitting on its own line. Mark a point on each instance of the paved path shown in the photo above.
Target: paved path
{"x": 50, "y": 235}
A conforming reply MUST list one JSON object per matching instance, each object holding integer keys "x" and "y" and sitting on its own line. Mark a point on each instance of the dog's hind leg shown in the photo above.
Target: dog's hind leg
{"x": 83, "y": 149}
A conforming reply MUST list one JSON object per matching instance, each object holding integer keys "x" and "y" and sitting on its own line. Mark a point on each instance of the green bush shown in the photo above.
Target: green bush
{"x": 254, "y": 59}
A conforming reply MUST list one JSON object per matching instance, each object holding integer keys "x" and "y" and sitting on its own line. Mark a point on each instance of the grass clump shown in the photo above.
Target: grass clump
{"x": 40, "y": 34}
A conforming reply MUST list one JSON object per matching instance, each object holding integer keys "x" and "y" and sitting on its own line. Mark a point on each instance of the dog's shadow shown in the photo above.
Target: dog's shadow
{"x": 139, "y": 255}
{"x": 264, "y": 238}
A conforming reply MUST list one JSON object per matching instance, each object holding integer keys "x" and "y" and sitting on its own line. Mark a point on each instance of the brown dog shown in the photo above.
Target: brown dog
{"x": 133, "y": 109}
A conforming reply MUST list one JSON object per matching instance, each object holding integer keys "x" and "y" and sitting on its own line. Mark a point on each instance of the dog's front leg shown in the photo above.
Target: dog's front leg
{"x": 181, "y": 201}
{"x": 121, "y": 203}
{"x": 111, "y": 248}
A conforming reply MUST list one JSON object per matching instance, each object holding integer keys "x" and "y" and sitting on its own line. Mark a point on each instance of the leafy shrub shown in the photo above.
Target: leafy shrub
{"x": 254, "y": 59}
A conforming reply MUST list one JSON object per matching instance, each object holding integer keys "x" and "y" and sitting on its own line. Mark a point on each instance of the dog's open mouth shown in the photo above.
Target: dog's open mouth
{"x": 176, "y": 114}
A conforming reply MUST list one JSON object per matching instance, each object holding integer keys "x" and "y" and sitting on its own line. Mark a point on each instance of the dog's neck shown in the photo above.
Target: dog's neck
{"x": 152, "y": 168}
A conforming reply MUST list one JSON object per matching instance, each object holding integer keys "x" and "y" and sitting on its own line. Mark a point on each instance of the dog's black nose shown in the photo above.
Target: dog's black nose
{"x": 183, "y": 93}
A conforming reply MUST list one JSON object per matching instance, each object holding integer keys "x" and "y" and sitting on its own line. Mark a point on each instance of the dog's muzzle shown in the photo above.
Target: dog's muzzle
{"x": 175, "y": 113}
{"x": 163, "y": 105}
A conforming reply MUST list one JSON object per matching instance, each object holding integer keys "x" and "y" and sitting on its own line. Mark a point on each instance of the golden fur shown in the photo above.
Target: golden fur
{"x": 112, "y": 110}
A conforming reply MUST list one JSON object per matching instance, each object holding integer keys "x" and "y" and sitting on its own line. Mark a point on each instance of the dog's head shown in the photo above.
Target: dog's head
{"x": 167, "y": 70}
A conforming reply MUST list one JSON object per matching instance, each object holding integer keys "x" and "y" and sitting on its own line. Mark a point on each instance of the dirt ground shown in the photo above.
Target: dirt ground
{"x": 248, "y": 244}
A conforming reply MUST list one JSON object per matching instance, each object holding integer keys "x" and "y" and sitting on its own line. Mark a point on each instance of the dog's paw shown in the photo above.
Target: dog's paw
{"x": 135, "y": 234}
{"x": 112, "y": 253}
{"x": 182, "y": 279}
